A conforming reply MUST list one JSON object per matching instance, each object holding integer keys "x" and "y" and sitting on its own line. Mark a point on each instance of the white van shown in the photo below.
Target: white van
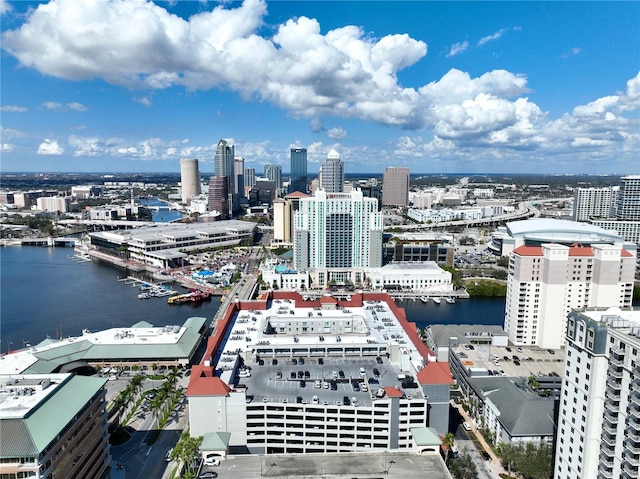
{"x": 362, "y": 372}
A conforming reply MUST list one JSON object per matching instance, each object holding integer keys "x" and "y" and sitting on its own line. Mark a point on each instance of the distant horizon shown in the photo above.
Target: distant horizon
{"x": 177, "y": 173}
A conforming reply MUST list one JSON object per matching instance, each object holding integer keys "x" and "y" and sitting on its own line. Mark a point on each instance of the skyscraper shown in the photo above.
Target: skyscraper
{"x": 282, "y": 224}
{"x": 599, "y": 420}
{"x": 629, "y": 199}
{"x": 337, "y": 232}
{"x": 546, "y": 282}
{"x": 274, "y": 173}
{"x": 298, "y": 170}
{"x": 238, "y": 176}
{"x": 331, "y": 175}
{"x": 395, "y": 186}
{"x": 189, "y": 179}
{"x": 224, "y": 167}
{"x": 598, "y": 202}
{"x": 249, "y": 177}
{"x": 219, "y": 196}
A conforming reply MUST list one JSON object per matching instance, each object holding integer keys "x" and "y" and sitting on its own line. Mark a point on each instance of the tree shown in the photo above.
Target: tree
{"x": 530, "y": 461}
{"x": 448, "y": 441}
{"x": 462, "y": 466}
{"x": 186, "y": 450}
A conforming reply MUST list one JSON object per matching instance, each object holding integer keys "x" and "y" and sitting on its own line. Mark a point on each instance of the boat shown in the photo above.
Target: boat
{"x": 424, "y": 299}
{"x": 144, "y": 296}
{"x": 192, "y": 297}
{"x": 450, "y": 300}
{"x": 436, "y": 300}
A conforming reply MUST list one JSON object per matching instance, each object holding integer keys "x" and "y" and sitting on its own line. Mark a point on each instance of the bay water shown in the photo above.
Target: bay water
{"x": 45, "y": 293}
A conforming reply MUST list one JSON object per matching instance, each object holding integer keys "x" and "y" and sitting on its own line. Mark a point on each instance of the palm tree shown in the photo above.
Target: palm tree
{"x": 448, "y": 441}
{"x": 156, "y": 406}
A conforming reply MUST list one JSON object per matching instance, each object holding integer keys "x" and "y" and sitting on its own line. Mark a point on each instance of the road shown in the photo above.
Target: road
{"x": 141, "y": 461}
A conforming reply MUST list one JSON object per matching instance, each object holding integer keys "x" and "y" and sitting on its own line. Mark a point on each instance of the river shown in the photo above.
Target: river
{"x": 46, "y": 293}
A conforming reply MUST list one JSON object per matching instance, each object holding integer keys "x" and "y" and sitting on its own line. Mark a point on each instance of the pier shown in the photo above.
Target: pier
{"x": 149, "y": 289}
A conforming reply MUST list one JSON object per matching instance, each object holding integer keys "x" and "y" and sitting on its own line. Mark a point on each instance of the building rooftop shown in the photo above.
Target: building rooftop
{"x": 138, "y": 342}
{"x": 343, "y": 465}
{"x": 35, "y": 408}
{"x": 533, "y": 360}
{"x": 298, "y": 349}
{"x": 561, "y": 231}
{"x": 522, "y": 412}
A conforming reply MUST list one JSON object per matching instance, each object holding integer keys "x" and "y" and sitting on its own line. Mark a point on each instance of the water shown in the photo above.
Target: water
{"x": 43, "y": 293}
{"x": 162, "y": 215}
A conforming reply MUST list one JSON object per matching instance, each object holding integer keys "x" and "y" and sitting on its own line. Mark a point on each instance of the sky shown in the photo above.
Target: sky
{"x": 439, "y": 87}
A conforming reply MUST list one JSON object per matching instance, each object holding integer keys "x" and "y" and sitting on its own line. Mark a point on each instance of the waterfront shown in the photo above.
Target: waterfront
{"x": 44, "y": 292}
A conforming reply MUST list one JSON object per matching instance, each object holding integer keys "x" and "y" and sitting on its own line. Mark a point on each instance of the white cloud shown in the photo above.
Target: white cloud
{"x": 55, "y": 106}
{"x": 493, "y": 36}
{"x": 51, "y": 105}
{"x": 337, "y": 133}
{"x": 6, "y": 147}
{"x": 75, "y": 106}
{"x": 50, "y": 146}
{"x": 14, "y": 108}
{"x": 574, "y": 51}
{"x": 457, "y": 48}
{"x": 143, "y": 100}
{"x": 316, "y": 125}
{"x": 5, "y": 7}
{"x": 9, "y": 134}
{"x": 311, "y": 73}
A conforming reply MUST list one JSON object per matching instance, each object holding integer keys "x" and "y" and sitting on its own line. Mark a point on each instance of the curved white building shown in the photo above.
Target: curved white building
{"x": 189, "y": 179}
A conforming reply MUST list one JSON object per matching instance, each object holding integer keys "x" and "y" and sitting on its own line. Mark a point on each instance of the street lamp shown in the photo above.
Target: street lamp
{"x": 386, "y": 471}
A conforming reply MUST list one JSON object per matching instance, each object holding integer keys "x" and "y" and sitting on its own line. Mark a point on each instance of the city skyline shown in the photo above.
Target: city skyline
{"x": 452, "y": 87}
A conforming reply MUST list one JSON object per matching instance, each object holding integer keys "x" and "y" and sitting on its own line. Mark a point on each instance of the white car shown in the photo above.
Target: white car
{"x": 315, "y": 400}
{"x": 211, "y": 461}
{"x": 466, "y": 426}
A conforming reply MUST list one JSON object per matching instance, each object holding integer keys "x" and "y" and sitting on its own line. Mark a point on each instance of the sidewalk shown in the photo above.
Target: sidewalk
{"x": 495, "y": 464}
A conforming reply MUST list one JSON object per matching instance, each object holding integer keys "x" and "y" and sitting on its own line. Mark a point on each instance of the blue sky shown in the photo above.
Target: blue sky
{"x": 440, "y": 87}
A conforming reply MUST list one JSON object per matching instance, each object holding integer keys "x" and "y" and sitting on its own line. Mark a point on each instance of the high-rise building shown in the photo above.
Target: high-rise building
{"x": 598, "y": 202}
{"x": 274, "y": 173}
{"x": 599, "y": 421}
{"x": 249, "y": 177}
{"x": 331, "y": 175}
{"x": 546, "y": 282}
{"x": 53, "y": 425}
{"x": 238, "y": 176}
{"x": 395, "y": 186}
{"x": 219, "y": 196}
{"x": 337, "y": 232}
{"x": 189, "y": 179}
{"x": 298, "y": 170}
{"x": 224, "y": 167}
{"x": 629, "y": 199}
{"x": 282, "y": 222}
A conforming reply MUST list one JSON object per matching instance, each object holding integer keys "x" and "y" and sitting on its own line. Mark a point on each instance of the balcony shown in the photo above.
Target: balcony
{"x": 616, "y": 372}
{"x": 612, "y": 405}
{"x": 613, "y": 392}
{"x": 612, "y": 417}
{"x": 629, "y": 469}
{"x": 606, "y": 459}
{"x": 609, "y": 439}
{"x": 633, "y": 461}
{"x": 613, "y": 430}
{"x": 632, "y": 446}
{"x": 634, "y": 411}
{"x": 605, "y": 472}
